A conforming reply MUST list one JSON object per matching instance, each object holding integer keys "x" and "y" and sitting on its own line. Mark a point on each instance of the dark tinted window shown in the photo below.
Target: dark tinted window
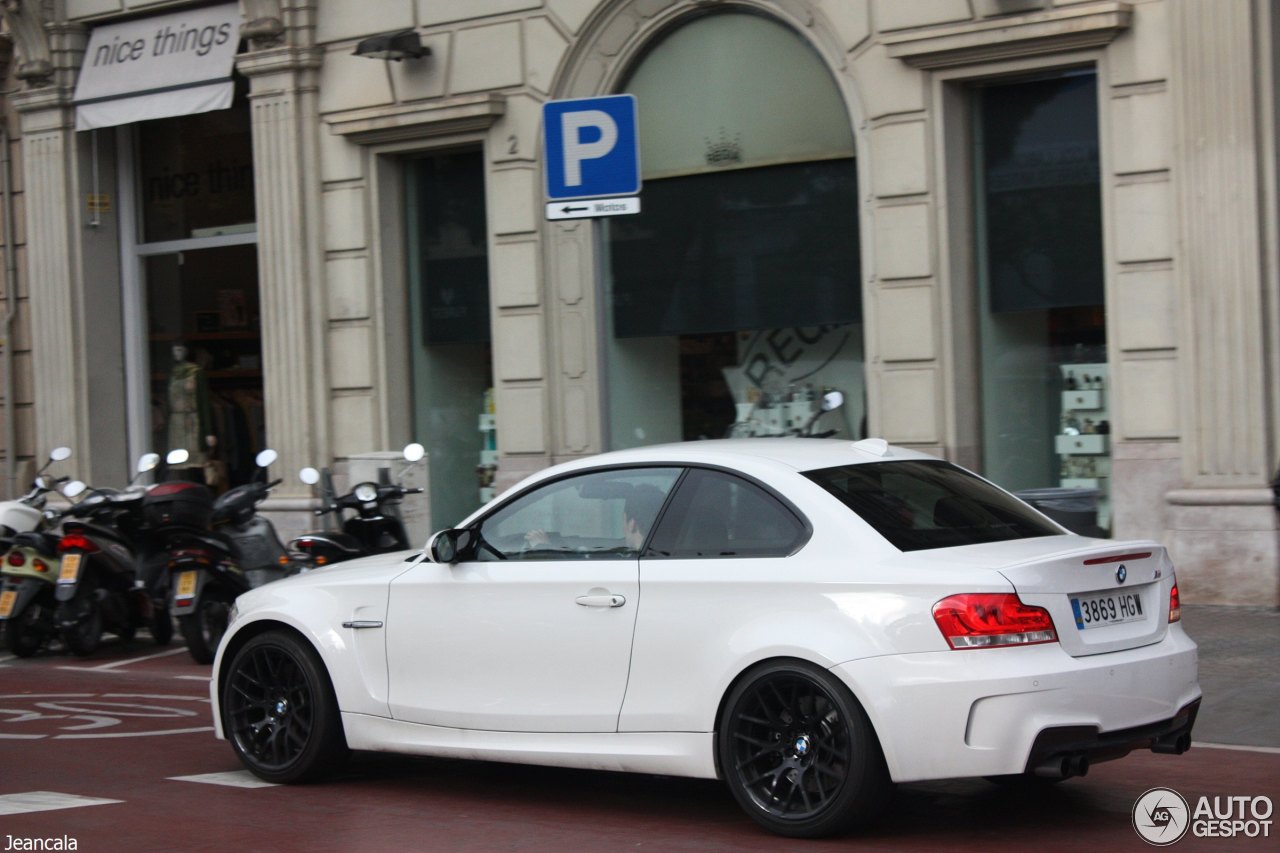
{"x": 931, "y": 504}
{"x": 714, "y": 514}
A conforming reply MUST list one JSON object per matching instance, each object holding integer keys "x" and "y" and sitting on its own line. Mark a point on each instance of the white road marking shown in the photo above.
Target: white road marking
{"x": 108, "y": 667}
{"x": 46, "y": 801}
{"x": 134, "y": 734}
{"x": 1266, "y": 750}
{"x": 204, "y": 678}
{"x": 231, "y": 779}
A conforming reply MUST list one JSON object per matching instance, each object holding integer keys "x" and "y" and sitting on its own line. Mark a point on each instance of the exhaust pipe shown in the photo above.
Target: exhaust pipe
{"x": 1172, "y": 744}
{"x": 1063, "y": 766}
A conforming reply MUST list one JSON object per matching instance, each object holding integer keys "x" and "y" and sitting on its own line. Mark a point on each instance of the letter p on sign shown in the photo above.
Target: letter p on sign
{"x": 592, "y": 147}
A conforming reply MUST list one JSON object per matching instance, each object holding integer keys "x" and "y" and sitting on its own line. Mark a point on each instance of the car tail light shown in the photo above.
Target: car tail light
{"x": 76, "y": 542}
{"x": 1175, "y": 604}
{"x": 989, "y": 620}
{"x": 16, "y": 558}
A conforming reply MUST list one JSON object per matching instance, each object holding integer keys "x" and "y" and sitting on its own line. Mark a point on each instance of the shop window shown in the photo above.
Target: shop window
{"x": 449, "y": 305}
{"x": 1042, "y": 318}
{"x": 199, "y": 266}
{"x": 733, "y": 299}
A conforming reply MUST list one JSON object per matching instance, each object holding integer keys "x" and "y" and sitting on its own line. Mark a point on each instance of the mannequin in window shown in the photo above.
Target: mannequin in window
{"x": 189, "y": 416}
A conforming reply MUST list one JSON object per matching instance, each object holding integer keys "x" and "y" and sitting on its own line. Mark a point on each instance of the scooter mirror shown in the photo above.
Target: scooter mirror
{"x": 177, "y": 457}
{"x": 74, "y": 489}
{"x": 265, "y": 458}
{"x": 414, "y": 452}
{"x": 147, "y": 462}
{"x": 59, "y": 453}
{"x": 310, "y": 476}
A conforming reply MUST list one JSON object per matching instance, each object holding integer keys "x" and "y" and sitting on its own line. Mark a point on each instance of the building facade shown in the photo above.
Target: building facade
{"x": 1036, "y": 237}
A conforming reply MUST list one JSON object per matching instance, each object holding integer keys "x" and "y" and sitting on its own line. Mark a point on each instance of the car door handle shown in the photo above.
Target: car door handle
{"x": 608, "y": 599}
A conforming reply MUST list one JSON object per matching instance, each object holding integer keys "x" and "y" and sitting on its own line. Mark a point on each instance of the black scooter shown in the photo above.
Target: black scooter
{"x": 102, "y": 584}
{"x": 216, "y": 550}
{"x": 375, "y": 528}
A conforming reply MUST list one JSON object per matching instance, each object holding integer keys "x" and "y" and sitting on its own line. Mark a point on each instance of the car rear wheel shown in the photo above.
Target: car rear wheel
{"x": 799, "y": 753}
{"x": 279, "y": 710}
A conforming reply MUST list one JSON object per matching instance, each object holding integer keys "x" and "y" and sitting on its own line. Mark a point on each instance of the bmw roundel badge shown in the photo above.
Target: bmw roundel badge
{"x": 1121, "y": 573}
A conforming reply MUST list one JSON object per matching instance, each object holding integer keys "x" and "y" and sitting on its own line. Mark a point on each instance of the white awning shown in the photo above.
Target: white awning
{"x": 169, "y": 65}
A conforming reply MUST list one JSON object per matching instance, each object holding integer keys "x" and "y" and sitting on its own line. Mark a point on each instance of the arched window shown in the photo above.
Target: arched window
{"x": 733, "y": 299}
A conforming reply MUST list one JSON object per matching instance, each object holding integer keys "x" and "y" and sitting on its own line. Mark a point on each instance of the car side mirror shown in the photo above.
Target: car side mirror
{"x": 452, "y": 546}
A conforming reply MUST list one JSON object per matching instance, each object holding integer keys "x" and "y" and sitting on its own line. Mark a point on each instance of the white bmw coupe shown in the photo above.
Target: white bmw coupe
{"x": 809, "y": 620}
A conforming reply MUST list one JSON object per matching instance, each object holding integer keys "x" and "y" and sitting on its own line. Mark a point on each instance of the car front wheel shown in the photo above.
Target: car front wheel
{"x": 799, "y": 753}
{"x": 279, "y": 710}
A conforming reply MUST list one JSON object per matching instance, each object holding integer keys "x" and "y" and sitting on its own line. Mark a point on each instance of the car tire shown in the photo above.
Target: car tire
{"x": 279, "y": 710}
{"x": 798, "y": 752}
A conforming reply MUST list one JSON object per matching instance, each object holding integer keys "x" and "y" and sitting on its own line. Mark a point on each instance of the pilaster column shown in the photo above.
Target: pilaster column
{"x": 285, "y": 125}
{"x": 1220, "y": 264}
{"x": 50, "y": 193}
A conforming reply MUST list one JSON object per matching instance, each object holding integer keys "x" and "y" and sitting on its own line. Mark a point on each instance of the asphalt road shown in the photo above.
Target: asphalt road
{"x": 116, "y": 753}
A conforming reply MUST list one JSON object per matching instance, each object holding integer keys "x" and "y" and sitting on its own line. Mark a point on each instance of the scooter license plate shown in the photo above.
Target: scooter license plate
{"x": 186, "y": 584}
{"x": 7, "y": 599}
{"x": 70, "y": 570}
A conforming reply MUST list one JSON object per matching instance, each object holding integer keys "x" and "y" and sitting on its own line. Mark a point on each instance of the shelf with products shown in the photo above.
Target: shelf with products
{"x": 488, "y": 427}
{"x": 1083, "y": 443}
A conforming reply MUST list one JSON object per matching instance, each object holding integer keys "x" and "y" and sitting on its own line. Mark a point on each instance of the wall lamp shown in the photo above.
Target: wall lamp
{"x": 397, "y": 46}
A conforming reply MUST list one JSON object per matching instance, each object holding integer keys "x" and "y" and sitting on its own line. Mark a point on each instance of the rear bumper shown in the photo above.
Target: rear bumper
{"x": 1057, "y": 752}
{"x": 994, "y": 712}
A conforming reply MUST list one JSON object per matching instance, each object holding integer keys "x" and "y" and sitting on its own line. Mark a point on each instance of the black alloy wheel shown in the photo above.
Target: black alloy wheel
{"x": 279, "y": 710}
{"x": 799, "y": 753}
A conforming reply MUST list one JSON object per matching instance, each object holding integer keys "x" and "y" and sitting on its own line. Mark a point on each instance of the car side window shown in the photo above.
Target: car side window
{"x": 597, "y": 515}
{"x": 715, "y": 514}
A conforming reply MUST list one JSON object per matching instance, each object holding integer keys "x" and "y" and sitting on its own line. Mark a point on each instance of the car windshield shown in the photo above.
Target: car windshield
{"x": 918, "y": 505}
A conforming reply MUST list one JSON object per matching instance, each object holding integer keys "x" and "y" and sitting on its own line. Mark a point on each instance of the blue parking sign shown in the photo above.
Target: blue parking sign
{"x": 592, "y": 147}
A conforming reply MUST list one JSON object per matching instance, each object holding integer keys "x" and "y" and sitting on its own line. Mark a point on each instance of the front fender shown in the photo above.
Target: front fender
{"x": 354, "y": 657}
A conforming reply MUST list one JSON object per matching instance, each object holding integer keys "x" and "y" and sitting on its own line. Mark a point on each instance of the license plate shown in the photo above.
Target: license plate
{"x": 1106, "y": 608}
{"x": 7, "y": 599}
{"x": 70, "y": 570}
{"x": 186, "y": 584}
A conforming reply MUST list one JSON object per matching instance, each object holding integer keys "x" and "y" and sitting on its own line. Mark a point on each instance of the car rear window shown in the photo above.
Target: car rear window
{"x": 922, "y": 504}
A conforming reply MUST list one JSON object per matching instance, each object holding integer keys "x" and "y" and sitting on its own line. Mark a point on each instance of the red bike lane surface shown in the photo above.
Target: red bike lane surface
{"x": 105, "y": 741}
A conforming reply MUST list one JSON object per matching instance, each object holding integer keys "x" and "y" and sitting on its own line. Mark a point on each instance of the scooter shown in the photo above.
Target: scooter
{"x": 374, "y": 529}
{"x": 214, "y": 551}
{"x": 30, "y": 563}
{"x": 794, "y": 415}
{"x": 99, "y": 586}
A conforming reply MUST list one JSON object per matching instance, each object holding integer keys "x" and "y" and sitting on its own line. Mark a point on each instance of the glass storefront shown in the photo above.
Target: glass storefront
{"x": 197, "y": 257}
{"x": 1041, "y": 317}
{"x": 733, "y": 300}
{"x": 450, "y": 328}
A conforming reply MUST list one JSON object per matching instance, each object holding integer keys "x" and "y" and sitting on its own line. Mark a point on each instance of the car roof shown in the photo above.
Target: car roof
{"x": 799, "y": 454}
